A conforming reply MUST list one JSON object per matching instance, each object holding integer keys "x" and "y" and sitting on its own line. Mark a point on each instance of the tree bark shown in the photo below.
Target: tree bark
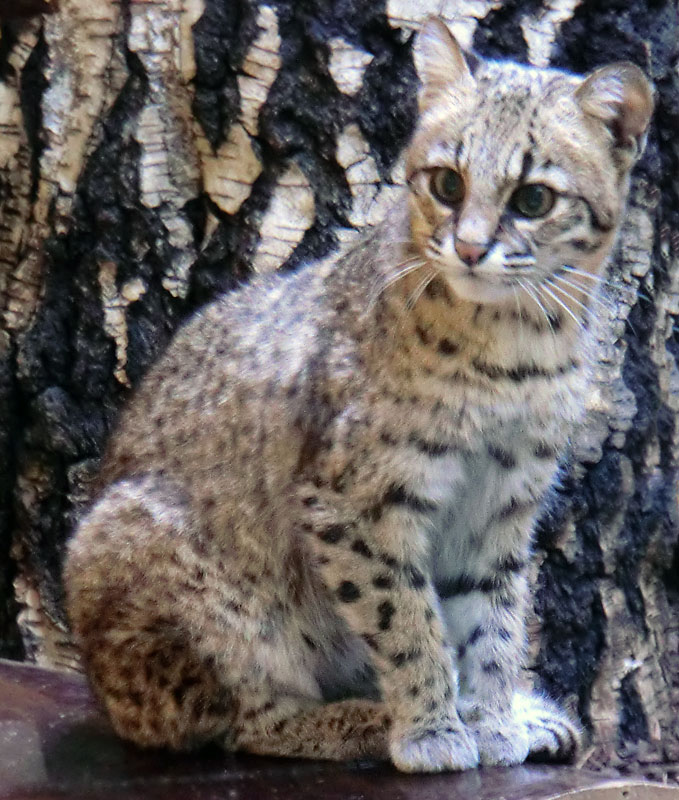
{"x": 156, "y": 152}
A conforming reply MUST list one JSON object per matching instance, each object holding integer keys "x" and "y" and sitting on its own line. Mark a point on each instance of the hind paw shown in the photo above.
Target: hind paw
{"x": 552, "y": 734}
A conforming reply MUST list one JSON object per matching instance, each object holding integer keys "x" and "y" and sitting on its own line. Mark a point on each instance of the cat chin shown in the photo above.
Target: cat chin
{"x": 476, "y": 289}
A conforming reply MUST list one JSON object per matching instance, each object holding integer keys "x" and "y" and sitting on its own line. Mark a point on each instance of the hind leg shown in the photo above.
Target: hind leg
{"x": 180, "y": 648}
{"x": 139, "y": 599}
{"x": 282, "y": 725}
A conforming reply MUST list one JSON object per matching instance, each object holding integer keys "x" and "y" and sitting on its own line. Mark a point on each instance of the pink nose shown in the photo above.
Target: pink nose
{"x": 470, "y": 252}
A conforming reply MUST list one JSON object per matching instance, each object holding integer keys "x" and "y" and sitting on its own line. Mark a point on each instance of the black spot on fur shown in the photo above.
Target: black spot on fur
{"x": 475, "y": 635}
{"x": 359, "y": 546}
{"x": 400, "y": 660}
{"x": 437, "y": 290}
{"x": 398, "y": 495}
{"x": 542, "y": 450}
{"x": 504, "y": 634}
{"x": 521, "y": 372}
{"x": 386, "y": 611}
{"x": 422, "y": 335}
{"x": 383, "y": 582}
{"x": 510, "y": 564}
{"x": 374, "y": 513}
{"x": 416, "y": 579}
{"x": 348, "y": 592}
{"x": 447, "y": 348}
{"x": 390, "y": 561}
{"x": 430, "y": 448}
{"x": 332, "y": 534}
{"x": 514, "y": 508}
{"x": 464, "y": 584}
{"x": 452, "y": 587}
{"x": 504, "y": 458}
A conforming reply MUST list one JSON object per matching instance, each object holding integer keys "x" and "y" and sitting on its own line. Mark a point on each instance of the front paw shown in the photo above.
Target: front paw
{"x": 552, "y": 734}
{"x": 439, "y": 748}
{"x": 501, "y": 742}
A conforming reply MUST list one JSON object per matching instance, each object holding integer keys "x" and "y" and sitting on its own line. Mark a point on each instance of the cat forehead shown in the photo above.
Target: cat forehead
{"x": 496, "y": 122}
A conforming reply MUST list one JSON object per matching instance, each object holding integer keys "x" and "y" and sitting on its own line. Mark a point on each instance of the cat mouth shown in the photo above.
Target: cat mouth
{"x": 478, "y": 286}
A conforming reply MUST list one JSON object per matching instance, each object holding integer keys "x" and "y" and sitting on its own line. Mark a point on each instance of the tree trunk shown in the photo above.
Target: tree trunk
{"x": 156, "y": 152}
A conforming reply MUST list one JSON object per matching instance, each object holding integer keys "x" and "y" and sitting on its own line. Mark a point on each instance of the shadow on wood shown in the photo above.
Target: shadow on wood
{"x": 11, "y": 9}
{"x": 55, "y": 743}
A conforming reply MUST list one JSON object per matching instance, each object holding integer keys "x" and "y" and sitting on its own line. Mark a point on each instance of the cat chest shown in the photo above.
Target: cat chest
{"x": 469, "y": 494}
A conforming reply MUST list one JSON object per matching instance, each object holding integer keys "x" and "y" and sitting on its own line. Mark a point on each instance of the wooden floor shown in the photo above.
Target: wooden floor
{"x": 54, "y": 743}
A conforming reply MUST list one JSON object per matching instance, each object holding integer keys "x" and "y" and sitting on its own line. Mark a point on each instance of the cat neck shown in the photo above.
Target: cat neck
{"x": 429, "y": 324}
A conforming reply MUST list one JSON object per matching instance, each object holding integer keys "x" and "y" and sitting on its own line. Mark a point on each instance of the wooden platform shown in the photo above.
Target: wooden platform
{"x": 54, "y": 743}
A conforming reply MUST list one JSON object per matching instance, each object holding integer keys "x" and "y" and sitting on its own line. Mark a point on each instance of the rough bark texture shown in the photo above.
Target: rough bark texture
{"x": 156, "y": 152}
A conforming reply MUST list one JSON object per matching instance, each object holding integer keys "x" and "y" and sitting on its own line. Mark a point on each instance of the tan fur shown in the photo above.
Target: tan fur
{"x": 316, "y": 513}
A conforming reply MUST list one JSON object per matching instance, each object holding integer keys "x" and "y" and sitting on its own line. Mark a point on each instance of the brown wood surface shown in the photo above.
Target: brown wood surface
{"x": 54, "y": 743}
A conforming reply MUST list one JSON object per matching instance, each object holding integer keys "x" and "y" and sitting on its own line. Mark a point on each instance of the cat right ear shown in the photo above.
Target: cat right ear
{"x": 440, "y": 62}
{"x": 621, "y": 97}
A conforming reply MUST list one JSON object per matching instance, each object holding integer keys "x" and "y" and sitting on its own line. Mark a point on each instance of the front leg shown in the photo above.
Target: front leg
{"x": 485, "y": 619}
{"x": 373, "y": 567}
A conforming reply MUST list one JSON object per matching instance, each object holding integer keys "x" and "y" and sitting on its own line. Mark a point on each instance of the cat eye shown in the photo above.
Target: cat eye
{"x": 533, "y": 200}
{"x": 447, "y": 186}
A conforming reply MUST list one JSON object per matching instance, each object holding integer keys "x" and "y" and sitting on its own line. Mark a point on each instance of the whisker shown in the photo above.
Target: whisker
{"x": 575, "y": 300}
{"x": 607, "y": 308}
{"x": 543, "y": 287}
{"x": 570, "y": 296}
{"x": 411, "y": 302}
{"x": 582, "y": 289}
{"x": 402, "y": 268}
{"x": 518, "y": 311}
{"x": 603, "y": 281}
{"x": 382, "y": 283}
{"x": 536, "y": 299}
{"x": 582, "y": 274}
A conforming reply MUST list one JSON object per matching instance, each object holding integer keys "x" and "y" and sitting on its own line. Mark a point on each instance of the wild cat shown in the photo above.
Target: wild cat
{"x": 316, "y": 516}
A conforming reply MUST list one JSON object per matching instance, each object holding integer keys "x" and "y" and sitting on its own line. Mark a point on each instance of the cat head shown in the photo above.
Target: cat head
{"x": 517, "y": 173}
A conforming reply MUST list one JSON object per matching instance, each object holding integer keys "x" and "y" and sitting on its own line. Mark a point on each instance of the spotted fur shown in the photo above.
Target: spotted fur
{"x": 314, "y": 527}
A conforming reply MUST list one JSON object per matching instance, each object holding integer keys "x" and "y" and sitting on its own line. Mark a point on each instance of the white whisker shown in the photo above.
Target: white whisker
{"x": 518, "y": 311}
{"x": 543, "y": 287}
{"x": 530, "y": 291}
{"x": 588, "y": 275}
{"x": 573, "y": 299}
{"x": 421, "y": 286}
{"x": 587, "y": 294}
{"x": 382, "y": 283}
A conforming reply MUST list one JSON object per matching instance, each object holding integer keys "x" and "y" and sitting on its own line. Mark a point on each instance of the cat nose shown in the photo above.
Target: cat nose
{"x": 470, "y": 252}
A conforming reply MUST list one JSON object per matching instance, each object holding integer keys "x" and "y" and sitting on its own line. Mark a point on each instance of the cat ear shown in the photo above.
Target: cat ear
{"x": 440, "y": 62}
{"x": 619, "y": 95}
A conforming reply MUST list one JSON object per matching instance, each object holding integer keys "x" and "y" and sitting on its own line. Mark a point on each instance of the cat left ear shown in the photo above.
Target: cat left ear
{"x": 440, "y": 62}
{"x": 619, "y": 95}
